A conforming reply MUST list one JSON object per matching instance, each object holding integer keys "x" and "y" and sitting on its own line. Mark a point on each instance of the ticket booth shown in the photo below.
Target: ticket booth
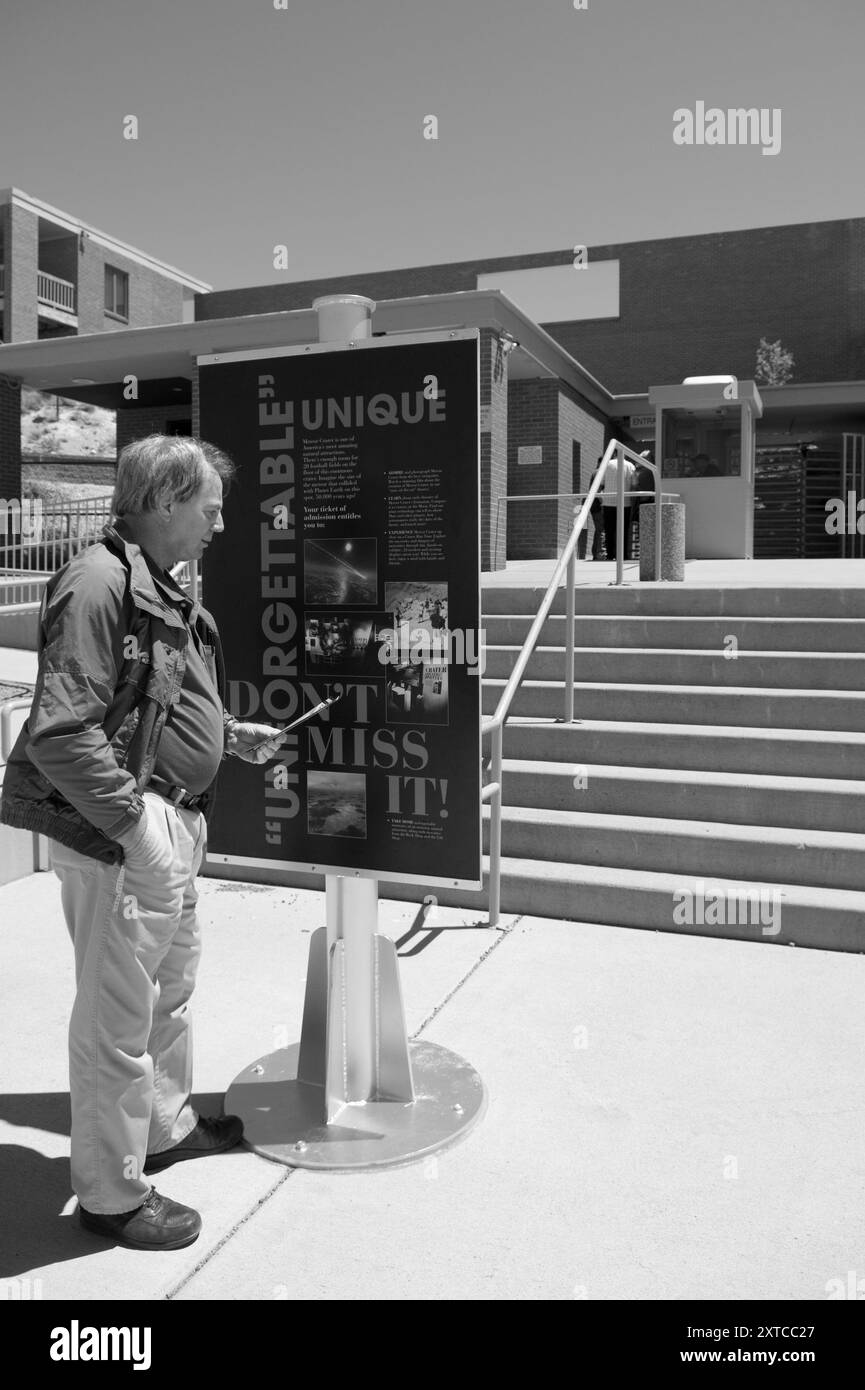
{"x": 704, "y": 440}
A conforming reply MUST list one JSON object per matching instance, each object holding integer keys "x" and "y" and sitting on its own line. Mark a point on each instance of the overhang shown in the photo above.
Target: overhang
{"x": 93, "y": 367}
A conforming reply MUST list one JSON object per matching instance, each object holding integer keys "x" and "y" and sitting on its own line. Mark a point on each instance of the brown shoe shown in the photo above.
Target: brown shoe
{"x": 158, "y": 1224}
{"x": 208, "y": 1137}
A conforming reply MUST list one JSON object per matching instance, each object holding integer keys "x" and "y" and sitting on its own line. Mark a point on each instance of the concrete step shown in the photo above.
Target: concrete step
{"x": 828, "y": 919}
{"x": 818, "y": 803}
{"x": 646, "y": 666}
{"x": 778, "y": 854}
{"x": 686, "y": 600}
{"x": 733, "y": 706}
{"x": 775, "y": 752}
{"x": 685, "y": 633}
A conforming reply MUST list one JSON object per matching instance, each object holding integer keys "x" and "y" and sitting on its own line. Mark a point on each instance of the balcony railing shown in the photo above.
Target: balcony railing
{"x": 57, "y": 293}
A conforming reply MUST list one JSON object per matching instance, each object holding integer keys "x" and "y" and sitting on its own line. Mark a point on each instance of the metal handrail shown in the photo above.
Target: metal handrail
{"x": 557, "y": 496}
{"x": 7, "y": 709}
{"x": 495, "y": 725}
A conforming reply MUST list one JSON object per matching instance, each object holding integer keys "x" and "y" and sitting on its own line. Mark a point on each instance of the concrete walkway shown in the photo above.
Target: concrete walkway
{"x": 669, "y": 1117}
{"x": 719, "y": 574}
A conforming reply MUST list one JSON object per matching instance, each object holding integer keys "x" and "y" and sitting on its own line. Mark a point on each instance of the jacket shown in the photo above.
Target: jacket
{"x": 112, "y": 655}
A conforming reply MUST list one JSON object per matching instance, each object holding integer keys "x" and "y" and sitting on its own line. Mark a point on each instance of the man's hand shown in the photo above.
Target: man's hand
{"x": 147, "y": 844}
{"x": 254, "y": 743}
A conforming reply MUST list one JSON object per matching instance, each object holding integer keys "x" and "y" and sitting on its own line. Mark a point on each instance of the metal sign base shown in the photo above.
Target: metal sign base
{"x": 354, "y": 1093}
{"x": 282, "y": 1117}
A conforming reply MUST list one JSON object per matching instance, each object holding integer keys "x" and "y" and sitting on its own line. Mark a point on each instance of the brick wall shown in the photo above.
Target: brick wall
{"x": 153, "y": 299}
{"x": 381, "y": 284}
{"x": 688, "y": 305}
{"x": 580, "y": 421}
{"x": 549, "y": 414}
{"x": 10, "y": 439}
{"x": 22, "y": 255}
{"x": 533, "y": 423}
{"x": 138, "y": 421}
{"x": 694, "y": 306}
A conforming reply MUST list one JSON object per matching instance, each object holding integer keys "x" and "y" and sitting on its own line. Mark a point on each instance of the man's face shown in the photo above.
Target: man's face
{"x": 192, "y": 524}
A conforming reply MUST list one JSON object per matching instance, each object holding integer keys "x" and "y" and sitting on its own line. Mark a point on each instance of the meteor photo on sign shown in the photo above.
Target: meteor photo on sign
{"x": 340, "y": 570}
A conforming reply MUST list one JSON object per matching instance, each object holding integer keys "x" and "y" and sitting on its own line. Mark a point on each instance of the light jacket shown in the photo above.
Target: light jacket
{"x": 112, "y": 655}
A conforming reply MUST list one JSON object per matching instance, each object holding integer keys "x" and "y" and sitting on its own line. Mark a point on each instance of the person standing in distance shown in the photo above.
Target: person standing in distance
{"x": 117, "y": 763}
{"x": 609, "y": 500}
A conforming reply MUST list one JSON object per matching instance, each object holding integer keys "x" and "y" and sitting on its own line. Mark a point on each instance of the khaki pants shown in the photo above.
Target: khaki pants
{"x": 137, "y": 946}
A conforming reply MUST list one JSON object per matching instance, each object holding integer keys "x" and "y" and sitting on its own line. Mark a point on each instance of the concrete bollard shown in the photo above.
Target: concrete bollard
{"x": 672, "y": 541}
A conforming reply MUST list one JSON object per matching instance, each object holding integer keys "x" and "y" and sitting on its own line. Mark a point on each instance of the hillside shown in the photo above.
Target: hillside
{"x": 52, "y": 425}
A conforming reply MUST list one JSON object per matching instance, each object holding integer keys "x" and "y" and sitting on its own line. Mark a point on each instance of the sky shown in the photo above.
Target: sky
{"x": 304, "y": 127}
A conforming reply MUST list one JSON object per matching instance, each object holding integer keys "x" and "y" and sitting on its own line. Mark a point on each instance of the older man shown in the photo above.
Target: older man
{"x": 117, "y": 763}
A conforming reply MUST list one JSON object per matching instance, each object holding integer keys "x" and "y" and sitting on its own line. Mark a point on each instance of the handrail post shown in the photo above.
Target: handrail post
{"x": 570, "y": 585}
{"x": 496, "y": 827}
{"x": 620, "y": 515}
{"x": 658, "y": 505}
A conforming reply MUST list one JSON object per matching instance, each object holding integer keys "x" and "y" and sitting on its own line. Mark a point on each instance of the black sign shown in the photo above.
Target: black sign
{"x": 350, "y": 569}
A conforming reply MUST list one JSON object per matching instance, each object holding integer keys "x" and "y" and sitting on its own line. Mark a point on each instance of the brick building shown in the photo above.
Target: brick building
{"x": 570, "y": 345}
{"x": 637, "y": 314}
{"x": 60, "y": 276}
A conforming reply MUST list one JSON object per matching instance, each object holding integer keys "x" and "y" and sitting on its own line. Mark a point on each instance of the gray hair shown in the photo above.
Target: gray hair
{"x": 165, "y": 468}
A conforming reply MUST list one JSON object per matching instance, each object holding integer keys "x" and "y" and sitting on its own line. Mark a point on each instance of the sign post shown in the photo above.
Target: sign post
{"x": 365, "y": 544}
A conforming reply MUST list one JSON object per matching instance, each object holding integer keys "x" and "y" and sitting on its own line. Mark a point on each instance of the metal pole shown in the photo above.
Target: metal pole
{"x": 352, "y": 903}
{"x": 658, "y": 505}
{"x": 352, "y": 912}
{"x": 570, "y": 583}
{"x": 620, "y": 515}
{"x": 496, "y": 827}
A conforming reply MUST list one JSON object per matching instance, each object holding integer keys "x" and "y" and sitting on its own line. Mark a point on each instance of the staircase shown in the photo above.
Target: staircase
{"x": 737, "y": 778}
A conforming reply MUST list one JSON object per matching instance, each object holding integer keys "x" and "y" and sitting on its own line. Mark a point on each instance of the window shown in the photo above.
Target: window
{"x": 576, "y": 462}
{"x": 116, "y": 293}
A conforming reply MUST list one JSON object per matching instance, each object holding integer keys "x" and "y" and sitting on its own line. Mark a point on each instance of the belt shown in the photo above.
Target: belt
{"x": 179, "y": 796}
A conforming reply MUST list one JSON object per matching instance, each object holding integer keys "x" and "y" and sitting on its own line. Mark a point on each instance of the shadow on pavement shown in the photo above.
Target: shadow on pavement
{"x": 34, "y": 1190}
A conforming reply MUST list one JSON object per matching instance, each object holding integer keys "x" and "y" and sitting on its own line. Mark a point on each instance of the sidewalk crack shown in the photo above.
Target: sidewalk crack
{"x": 505, "y": 933}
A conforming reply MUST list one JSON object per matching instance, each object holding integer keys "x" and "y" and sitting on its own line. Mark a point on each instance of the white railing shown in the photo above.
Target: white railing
{"x": 8, "y": 710}
{"x": 495, "y": 726}
{"x": 41, "y": 538}
{"x": 59, "y": 294}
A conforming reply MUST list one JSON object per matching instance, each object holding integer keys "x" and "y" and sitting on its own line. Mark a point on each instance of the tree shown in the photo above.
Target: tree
{"x": 774, "y": 364}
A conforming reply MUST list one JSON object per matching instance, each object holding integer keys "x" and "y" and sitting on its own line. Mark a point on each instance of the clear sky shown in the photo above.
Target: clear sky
{"x": 304, "y": 126}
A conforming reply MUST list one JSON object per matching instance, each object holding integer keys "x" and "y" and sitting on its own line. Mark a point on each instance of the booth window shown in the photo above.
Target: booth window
{"x": 116, "y": 293}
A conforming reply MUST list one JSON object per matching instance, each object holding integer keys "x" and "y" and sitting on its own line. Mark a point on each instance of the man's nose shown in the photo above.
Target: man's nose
{"x": 220, "y": 524}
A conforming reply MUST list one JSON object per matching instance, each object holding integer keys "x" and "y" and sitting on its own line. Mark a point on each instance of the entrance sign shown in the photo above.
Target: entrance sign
{"x": 349, "y": 570}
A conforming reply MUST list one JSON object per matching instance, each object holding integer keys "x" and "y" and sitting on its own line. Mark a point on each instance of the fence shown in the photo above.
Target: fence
{"x": 36, "y": 538}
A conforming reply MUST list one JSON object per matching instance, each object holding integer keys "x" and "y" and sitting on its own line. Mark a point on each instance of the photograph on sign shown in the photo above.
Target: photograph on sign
{"x": 350, "y": 572}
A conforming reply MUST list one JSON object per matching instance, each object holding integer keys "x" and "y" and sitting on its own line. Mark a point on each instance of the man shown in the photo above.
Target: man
{"x": 117, "y": 763}
{"x": 609, "y": 502}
